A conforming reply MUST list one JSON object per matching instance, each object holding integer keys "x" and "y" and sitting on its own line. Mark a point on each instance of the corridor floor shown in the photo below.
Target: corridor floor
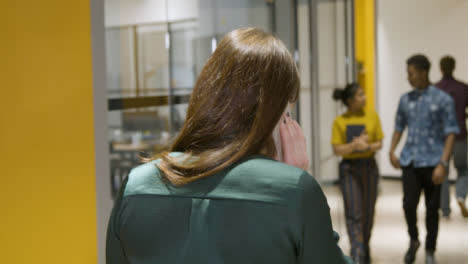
{"x": 389, "y": 238}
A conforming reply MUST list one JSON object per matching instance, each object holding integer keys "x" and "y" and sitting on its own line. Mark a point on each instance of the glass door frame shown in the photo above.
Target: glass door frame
{"x": 349, "y": 67}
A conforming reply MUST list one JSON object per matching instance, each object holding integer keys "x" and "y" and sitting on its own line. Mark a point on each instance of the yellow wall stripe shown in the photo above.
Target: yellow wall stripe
{"x": 46, "y": 133}
{"x": 365, "y": 47}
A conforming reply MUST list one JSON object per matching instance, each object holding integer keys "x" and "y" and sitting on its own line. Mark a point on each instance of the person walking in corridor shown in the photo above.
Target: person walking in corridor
{"x": 356, "y": 136}
{"x": 459, "y": 92}
{"x": 429, "y": 115}
{"x": 221, "y": 194}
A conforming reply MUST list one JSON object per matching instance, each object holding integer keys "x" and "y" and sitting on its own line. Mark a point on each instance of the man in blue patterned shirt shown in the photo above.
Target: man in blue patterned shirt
{"x": 429, "y": 115}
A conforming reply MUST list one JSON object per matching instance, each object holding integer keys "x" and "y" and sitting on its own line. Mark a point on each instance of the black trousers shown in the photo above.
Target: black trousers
{"x": 414, "y": 181}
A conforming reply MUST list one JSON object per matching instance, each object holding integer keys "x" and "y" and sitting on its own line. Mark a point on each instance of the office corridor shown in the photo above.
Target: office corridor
{"x": 390, "y": 240}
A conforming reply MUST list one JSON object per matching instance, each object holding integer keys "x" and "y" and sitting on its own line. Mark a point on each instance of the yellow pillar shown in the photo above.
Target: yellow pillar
{"x": 46, "y": 133}
{"x": 365, "y": 47}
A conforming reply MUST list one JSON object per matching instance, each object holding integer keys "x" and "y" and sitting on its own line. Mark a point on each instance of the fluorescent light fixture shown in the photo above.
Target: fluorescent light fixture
{"x": 213, "y": 44}
{"x": 168, "y": 40}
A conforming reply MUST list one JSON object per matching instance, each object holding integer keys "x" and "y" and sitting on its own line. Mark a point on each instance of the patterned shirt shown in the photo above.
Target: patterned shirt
{"x": 430, "y": 116}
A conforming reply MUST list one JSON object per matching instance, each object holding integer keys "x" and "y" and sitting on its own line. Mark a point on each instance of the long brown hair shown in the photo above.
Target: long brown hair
{"x": 237, "y": 101}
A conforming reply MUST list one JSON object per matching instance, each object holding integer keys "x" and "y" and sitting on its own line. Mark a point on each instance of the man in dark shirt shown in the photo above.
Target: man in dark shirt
{"x": 459, "y": 93}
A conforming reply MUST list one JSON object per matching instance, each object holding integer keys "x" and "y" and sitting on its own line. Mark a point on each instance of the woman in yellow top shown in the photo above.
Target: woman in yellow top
{"x": 356, "y": 136}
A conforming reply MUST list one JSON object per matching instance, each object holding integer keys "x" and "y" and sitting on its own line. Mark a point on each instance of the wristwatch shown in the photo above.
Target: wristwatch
{"x": 444, "y": 164}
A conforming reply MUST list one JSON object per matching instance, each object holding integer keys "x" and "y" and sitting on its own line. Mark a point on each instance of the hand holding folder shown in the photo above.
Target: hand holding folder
{"x": 357, "y": 135}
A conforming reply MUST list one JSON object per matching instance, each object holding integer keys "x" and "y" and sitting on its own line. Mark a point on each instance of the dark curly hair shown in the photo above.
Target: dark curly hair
{"x": 420, "y": 62}
{"x": 447, "y": 65}
{"x": 344, "y": 94}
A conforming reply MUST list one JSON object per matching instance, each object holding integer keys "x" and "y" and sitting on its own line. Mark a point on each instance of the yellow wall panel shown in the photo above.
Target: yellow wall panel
{"x": 365, "y": 47}
{"x": 46, "y": 133}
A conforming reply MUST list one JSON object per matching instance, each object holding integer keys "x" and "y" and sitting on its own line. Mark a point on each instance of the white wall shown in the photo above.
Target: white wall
{"x": 432, "y": 27}
{"x": 131, "y": 12}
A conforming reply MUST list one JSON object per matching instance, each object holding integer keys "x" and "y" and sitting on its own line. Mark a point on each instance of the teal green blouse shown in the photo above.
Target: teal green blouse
{"x": 257, "y": 211}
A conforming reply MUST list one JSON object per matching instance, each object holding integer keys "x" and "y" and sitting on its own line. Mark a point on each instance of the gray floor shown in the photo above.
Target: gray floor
{"x": 389, "y": 238}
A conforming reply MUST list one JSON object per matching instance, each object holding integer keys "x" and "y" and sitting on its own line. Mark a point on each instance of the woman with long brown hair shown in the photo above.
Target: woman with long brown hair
{"x": 220, "y": 195}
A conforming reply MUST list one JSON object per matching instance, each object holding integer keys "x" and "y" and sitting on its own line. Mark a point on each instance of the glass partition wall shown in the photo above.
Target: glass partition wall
{"x": 332, "y": 66}
{"x": 155, "y": 49}
{"x": 154, "y": 52}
